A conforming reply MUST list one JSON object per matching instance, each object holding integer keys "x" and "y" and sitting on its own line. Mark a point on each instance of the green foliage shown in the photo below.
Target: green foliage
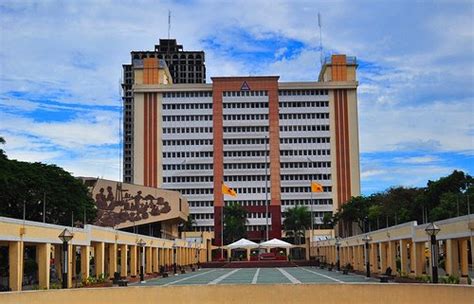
{"x": 297, "y": 221}
{"x": 423, "y": 278}
{"x": 469, "y": 280}
{"x": 189, "y": 224}
{"x": 30, "y": 267}
{"x": 444, "y": 198}
{"x": 28, "y": 183}
{"x": 452, "y": 279}
{"x": 235, "y": 218}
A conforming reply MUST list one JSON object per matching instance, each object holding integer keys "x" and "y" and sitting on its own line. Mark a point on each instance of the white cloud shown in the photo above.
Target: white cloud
{"x": 418, "y": 159}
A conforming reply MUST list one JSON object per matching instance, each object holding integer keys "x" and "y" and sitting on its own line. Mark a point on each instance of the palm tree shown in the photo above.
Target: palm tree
{"x": 189, "y": 224}
{"x": 297, "y": 220}
{"x": 235, "y": 218}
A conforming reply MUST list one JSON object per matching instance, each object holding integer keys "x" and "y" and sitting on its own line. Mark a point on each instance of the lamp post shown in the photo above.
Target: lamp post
{"x": 432, "y": 230}
{"x": 141, "y": 243}
{"x": 65, "y": 236}
{"x": 174, "y": 257}
{"x": 367, "y": 239}
{"x": 338, "y": 258}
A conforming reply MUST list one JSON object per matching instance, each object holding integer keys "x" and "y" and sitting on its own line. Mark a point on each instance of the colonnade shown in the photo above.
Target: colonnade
{"x": 93, "y": 251}
{"x": 404, "y": 248}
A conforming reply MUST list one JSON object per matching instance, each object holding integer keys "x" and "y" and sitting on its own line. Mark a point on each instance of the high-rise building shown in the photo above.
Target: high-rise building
{"x": 183, "y": 66}
{"x": 249, "y": 132}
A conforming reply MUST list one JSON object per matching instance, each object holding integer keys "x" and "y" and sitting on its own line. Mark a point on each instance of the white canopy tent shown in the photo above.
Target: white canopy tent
{"x": 242, "y": 243}
{"x": 275, "y": 243}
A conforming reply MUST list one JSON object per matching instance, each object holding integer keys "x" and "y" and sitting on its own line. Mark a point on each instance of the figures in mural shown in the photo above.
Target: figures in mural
{"x": 113, "y": 211}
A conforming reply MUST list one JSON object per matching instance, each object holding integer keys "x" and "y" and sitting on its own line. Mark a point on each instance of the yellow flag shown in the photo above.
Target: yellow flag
{"x": 228, "y": 190}
{"x": 315, "y": 187}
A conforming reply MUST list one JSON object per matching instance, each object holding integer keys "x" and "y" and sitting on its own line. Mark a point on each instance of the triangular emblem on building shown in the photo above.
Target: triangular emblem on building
{"x": 245, "y": 86}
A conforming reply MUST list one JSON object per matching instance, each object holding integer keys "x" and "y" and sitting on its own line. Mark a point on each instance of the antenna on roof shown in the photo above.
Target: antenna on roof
{"x": 169, "y": 23}
{"x": 320, "y": 40}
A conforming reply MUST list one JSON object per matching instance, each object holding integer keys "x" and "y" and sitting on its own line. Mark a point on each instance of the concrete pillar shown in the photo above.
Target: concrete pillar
{"x": 404, "y": 256}
{"x": 155, "y": 267}
{"x": 148, "y": 260}
{"x": 123, "y": 260}
{"x": 392, "y": 255}
{"x": 452, "y": 257}
{"x": 373, "y": 258}
{"x": 15, "y": 254}
{"x": 248, "y": 254}
{"x": 383, "y": 257}
{"x": 464, "y": 260}
{"x": 85, "y": 261}
{"x": 133, "y": 260}
{"x": 71, "y": 264}
{"x": 99, "y": 258}
{"x": 418, "y": 258}
{"x": 112, "y": 259}
{"x": 43, "y": 252}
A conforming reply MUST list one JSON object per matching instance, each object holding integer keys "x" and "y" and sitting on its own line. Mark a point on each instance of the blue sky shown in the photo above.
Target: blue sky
{"x": 60, "y": 67}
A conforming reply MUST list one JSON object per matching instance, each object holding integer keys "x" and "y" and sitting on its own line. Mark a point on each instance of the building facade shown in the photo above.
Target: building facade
{"x": 266, "y": 139}
{"x": 183, "y": 66}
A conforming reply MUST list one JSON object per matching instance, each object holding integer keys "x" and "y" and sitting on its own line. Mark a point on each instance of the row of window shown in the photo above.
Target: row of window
{"x": 305, "y": 152}
{"x": 244, "y": 141}
{"x": 188, "y": 179}
{"x": 195, "y": 191}
{"x": 307, "y": 202}
{"x": 202, "y": 216}
{"x": 188, "y": 167}
{"x": 296, "y": 128}
{"x": 304, "y": 140}
{"x": 305, "y": 177}
{"x": 187, "y": 117}
{"x": 246, "y": 129}
{"x": 188, "y": 154}
{"x": 300, "y": 104}
{"x": 187, "y": 130}
{"x": 293, "y": 165}
{"x": 245, "y": 153}
{"x": 186, "y": 106}
{"x": 302, "y": 92}
{"x": 247, "y": 203}
{"x": 201, "y": 203}
{"x": 305, "y": 116}
{"x": 245, "y": 105}
{"x": 244, "y": 93}
{"x": 244, "y": 166}
{"x": 187, "y": 142}
{"x": 258, "y": 227}
{"x": 303, "y": 189}
{"x": 246, "y": 117}
{"x": 258, "y": 215}
{"x": 187, "y": 94}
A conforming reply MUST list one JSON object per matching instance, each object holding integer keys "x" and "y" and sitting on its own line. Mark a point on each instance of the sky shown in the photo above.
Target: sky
{"x": 61, "y": 65}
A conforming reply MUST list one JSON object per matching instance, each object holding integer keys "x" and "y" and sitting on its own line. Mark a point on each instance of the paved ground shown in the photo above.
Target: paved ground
{"x": 290, "y": 275}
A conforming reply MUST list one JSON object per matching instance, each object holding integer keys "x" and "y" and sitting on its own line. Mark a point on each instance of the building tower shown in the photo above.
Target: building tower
{"x": 184, "y": 67}
{"x": 194, "y": 137}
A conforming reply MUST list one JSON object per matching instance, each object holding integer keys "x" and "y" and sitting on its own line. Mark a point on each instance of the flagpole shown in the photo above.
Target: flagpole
{"x": 222, "y": 226}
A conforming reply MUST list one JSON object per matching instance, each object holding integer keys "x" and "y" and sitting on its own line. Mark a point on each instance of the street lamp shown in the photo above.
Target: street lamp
{"x": 338, "y": 261}
{"x": 65, "y": 236}
{"x": 432, "y": 230}
{"x": 141, "y": 243}
{"x": 367, "y": 239}
{"x": 174, "y": 257}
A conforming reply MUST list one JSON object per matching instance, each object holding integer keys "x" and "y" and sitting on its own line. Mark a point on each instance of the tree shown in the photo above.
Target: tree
{"x": 235, "y": 219}
{"x": 297, "y": 221}
{"x": 24, "y": 183}
{"x": 2, "y": 153}
{"x": 189, "y": 224}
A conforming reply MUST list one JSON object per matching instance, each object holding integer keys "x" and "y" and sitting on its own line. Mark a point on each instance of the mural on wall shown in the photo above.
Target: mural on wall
{"x": 125, "y": 206}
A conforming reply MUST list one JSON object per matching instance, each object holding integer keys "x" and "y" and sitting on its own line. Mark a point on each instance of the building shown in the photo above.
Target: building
{"x": 194, "y": 137}
{"x": 183, "y": 66}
